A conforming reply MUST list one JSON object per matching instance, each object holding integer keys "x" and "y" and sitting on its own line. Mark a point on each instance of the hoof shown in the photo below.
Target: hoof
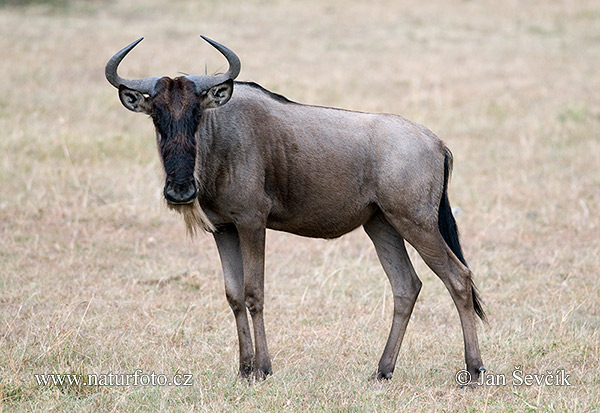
{"x": 469, "y": 380}
{"x": 481, "y": 370}
{"x": 477, "y": 374}
{"x": 262, "y": 374}
{"x": 379, "y": 376}
{"x": 245, "y": 372}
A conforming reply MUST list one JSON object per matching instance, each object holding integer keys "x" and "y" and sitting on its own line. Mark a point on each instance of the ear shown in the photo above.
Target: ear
{"x": 134, "y": 100}
{"x": 217, "y": 95}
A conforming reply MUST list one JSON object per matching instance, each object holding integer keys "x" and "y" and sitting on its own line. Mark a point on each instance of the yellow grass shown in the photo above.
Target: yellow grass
{"x": 97, "y": 276}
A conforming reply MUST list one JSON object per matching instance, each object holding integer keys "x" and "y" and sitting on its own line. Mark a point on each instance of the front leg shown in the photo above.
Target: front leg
{"x": 252, "y": 242}
{"x": 228, "y": 244}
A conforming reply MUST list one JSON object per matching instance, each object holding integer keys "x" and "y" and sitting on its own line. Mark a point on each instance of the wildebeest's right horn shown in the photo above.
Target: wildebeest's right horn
{"x": 204, "y": 82}
{"x": 144, "y": 85}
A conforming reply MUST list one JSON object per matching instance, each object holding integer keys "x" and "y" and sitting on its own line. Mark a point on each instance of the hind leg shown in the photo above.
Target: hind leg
{"x": 405, "y": 286}
{"x": 429, "y": 243}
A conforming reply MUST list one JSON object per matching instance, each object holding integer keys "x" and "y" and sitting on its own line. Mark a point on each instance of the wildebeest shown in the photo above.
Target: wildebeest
{"x": 239, "y": 163}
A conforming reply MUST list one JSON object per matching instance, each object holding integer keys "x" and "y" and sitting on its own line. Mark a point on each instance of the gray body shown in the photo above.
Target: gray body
{"x": 239, "y": 159}
{"x": 264, "y": 157}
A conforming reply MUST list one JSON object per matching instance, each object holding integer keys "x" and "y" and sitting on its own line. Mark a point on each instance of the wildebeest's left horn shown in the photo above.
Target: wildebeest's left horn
{"x": 204, "y": 83}
{"x": 143, "y": 85}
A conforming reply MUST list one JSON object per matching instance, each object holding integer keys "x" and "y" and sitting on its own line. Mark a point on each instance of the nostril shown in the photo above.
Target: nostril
{"x": 180, "y": 193}
{"x": 169, "y": 194}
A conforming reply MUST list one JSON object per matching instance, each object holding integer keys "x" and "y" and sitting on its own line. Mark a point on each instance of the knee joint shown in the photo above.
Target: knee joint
{"x": 411, "y": 290}
{"x": 254, "y": 304}
{"x": 405, "y": 300}
{"x": 235, "y": 303}
{"x": 462, "y": 283}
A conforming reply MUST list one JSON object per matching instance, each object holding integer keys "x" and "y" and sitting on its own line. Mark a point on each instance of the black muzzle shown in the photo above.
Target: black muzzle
{"x": 177, "y": 193}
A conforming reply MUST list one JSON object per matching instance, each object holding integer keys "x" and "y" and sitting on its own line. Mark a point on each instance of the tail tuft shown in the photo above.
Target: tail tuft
{"x": 449, "y": 231}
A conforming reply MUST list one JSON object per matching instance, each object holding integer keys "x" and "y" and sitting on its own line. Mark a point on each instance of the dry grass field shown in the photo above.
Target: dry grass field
{"x": 98, "y": 276}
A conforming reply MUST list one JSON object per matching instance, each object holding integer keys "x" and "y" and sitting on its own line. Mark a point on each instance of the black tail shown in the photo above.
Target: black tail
{"x": 449, "y": 230}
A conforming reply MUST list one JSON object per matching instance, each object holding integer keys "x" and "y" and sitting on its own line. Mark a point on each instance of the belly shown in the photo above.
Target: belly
{"x": 321, "y": 221}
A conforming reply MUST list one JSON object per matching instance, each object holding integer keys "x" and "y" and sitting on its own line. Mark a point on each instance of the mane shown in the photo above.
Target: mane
{"x": 283, "y": 99}
{"x": 275, "y": 96}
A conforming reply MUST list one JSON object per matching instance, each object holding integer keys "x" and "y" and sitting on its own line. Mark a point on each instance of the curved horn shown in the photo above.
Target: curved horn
{"x": 204, "y": 82}
{"x": 143, "y": 85}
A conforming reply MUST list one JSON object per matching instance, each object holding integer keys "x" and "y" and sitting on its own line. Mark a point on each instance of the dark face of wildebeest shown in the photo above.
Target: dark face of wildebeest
{"x": 176, "y": 107}
{"x": 175, "y": 112}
